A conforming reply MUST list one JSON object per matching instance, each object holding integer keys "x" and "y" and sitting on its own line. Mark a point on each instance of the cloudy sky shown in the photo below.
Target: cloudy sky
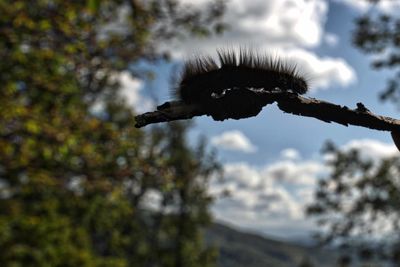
{"x": 272, "y": 162}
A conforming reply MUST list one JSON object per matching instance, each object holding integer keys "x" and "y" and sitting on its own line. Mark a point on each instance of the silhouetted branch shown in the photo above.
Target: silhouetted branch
{"x": 169, "y": 111}
{"x": 287, "y": 102}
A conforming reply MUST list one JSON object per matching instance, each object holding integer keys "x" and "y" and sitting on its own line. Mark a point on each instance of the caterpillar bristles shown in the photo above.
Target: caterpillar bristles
{"x": 204, "y": 79}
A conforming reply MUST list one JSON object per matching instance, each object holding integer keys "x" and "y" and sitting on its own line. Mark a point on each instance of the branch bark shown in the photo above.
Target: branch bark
{"x": 289, "y": 103}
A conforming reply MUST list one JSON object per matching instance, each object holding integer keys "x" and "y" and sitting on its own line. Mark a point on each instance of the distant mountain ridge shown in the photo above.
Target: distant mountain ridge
{"x": 239, "y": 249}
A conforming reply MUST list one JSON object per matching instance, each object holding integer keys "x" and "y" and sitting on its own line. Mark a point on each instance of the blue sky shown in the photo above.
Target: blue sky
{"x": 272, "y": 161}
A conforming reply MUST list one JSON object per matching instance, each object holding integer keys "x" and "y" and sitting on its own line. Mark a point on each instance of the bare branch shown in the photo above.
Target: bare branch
{"x": 288, "y": 102}
{"x": 169, "y": 111}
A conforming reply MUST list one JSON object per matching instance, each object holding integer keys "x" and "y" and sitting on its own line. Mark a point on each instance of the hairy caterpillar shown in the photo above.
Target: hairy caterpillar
{"x": 226, "y": 89}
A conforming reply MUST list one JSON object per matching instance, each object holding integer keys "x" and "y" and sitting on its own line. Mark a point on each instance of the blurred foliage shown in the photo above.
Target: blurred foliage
{"x": 358, "y": 205}
{"x": 80, "y": 188}
{"x": 379, "y": 35}
{"x": 306, "y": 262}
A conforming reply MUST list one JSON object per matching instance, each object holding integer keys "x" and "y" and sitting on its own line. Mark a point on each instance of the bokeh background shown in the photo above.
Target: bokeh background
{"x": 80, "y": 186}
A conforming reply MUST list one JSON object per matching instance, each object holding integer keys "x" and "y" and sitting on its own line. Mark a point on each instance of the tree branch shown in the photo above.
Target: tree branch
{"x": 288, "y": 102}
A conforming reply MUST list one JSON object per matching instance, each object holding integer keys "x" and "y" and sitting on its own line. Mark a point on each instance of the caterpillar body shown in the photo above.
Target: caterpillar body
{"x": 227, "y": 88}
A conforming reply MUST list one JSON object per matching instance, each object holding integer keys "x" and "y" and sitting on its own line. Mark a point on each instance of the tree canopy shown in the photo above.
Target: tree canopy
{"x": 85, "y": 188}
{"x": 358, "y": 203}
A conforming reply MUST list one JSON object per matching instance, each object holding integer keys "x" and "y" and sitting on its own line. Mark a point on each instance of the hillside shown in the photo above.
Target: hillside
{"x": 238, "y": 249}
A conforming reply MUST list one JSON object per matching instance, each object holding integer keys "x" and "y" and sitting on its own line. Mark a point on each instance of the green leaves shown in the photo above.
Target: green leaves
{"x": 75, "y": 185}
{"x": 93, "y": 5}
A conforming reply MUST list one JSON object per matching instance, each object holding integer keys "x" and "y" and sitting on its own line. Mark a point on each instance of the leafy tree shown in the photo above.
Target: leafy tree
{"x": 358, "y": 203}
{"x": 378, "y": 34}
{"x": 187, "y": 197}
{"x": 75, "y": 184}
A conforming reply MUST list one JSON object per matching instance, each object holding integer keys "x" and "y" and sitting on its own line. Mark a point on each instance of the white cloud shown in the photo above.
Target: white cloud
{"x": 130, "y": 91}
{"x": 260, "y": 197}
{"x": 363, "y": 5}
{"x": 279, "y": 22}
{"x": 233, "y": 140}
{"x": 305, "y": 193}
{"x": 272, "y": 198}
{"x": 331, "y": 39}
{"x": 243, "y": 175}
{"x": 283, "y": 21}
{"x": 371, "y": 149}
{"x": 285, "y": 27}
{"x": 322, "y": 72}
{"x": 290, "y": 154}
{"x": 295, "y": 173}
{"x": 281, "y": 203}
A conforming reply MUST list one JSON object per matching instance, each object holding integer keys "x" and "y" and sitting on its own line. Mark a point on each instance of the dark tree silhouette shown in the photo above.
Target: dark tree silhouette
{"x": 360, "y": 197}
{"x": 379, "y": 35}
